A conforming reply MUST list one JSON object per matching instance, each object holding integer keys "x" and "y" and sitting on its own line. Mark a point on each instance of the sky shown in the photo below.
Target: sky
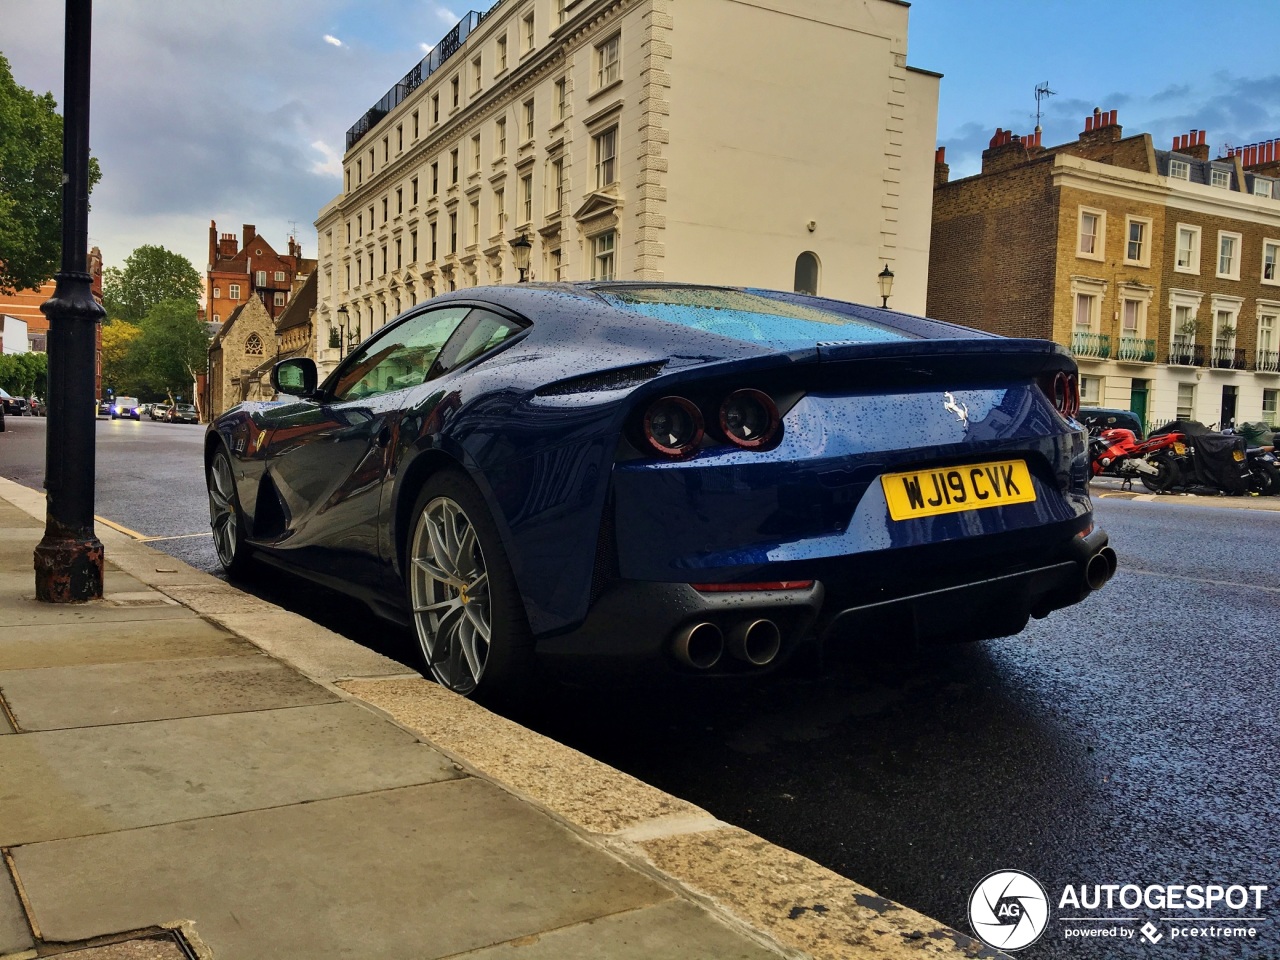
{"x": 236, "y": 111}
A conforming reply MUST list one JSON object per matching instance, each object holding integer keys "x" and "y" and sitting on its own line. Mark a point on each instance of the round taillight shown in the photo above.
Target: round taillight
{"x": 673, "y": 426}
{"x": 749, "y": 418}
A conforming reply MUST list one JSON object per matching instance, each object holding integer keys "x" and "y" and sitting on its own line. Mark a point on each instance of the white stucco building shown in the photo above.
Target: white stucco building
{"x": 779, "y": 143}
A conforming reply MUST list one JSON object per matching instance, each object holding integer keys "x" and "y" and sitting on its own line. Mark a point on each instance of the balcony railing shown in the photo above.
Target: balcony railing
{"x": 1135, "y": 350}
{"x": 1184, "y": 353}
{"x": 428, "y": 65}
{"x": 1267, "y": 361}
{"x": 1228, "y": 358}
{"x": 1086, "y": 344}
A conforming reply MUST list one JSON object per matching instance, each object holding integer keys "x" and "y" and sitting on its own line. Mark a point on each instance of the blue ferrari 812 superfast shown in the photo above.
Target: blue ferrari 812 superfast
{"x": 638, "y": 478}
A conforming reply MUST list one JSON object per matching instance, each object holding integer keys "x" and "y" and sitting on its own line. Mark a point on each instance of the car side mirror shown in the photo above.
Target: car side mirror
{"x": 295, "y": 376}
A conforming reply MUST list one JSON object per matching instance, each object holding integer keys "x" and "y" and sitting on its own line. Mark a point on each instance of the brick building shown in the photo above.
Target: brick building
{"x": 1156, "y": 268}
{"x": 249, "y": 268}
{"x": 242, "y": 348}
{"x": 639, "y": 139}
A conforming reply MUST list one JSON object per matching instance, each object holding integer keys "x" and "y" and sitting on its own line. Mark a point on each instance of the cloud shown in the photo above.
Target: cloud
{"x": 332, "y": 40}
{"x": 447, "y": 15}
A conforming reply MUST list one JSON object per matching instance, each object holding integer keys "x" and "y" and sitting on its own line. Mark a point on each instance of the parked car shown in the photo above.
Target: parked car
{"x": 38, "y": 407}
{"x": 695, "y": 480}
{"x": 1098, "y": 419}
{"x": 158, "y": 411}
{"x": 104, "y": 408}
{"x": 14, "y": 406}
{"x": 182, "y": 413}
{"x": 144, "y": 409}
{"x": 125, "y": 407}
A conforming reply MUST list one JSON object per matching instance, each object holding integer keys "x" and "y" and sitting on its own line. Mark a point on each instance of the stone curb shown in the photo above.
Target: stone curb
{"x": 769, "y": 893}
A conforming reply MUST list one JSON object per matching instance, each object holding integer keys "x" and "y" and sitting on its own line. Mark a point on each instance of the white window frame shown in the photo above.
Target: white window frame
{"x": 475, "y": 153}
{"x": 1186, "y": 402}
{"x": 526, "y": 197}
{"x": 1270, "y": 400}
{"x": 528, "y": 32}
{"x": 475, "y": 222}
{"x": 530, "y": 119}
{"x": 1099, "y": 240}
{"x": 1193, "y": 264}
{"x": 500, "y": 60}
{"x": 1091, "y": 391}
{"x": 1140, "y": 298}
{"x": 562, "y": 98}
{"x": 604, "y": 146}
{"x": 1190, "y": 301}
{"x": 233, "y": 291}
{"x": 1143, "y": 259}
{"x": 608, "y": 57}
{"x": 1267, "y": 336}
{"x": 477, "y": 73}
{"x": 557, "y": 183}
{"x": 1270, "y": 247}
{"x": 279, "y": 298}
{"x": 1233, "y": 268}
{"x": 500, "y": 137}
{"x": 279, "y": 276}
{"x": 260, "y": 277}
{"x": 1219, "y": 178}
{"x": 1179, "y": 169}
{"x": 1262, "y": 187}
{"x": 499, "y": 209}
{"x": 217, "y": 293}
{"x": 604, "y": 264}
{"x": 1226, "y": 313}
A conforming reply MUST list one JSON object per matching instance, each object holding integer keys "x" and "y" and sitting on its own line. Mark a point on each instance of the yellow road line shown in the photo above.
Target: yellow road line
{"x": 178, "y": 536}
{"x": 115, "y": 526}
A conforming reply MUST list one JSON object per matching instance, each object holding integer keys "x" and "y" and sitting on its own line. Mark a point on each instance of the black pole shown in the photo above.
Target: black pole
{"x": 68, "y": 560}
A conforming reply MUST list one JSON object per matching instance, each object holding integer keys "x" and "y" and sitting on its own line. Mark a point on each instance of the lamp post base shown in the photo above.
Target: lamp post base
{"x": 68, "y": 569}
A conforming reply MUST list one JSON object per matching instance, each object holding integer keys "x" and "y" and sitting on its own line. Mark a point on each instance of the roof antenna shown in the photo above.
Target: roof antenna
{"x": 1042, "y": 91}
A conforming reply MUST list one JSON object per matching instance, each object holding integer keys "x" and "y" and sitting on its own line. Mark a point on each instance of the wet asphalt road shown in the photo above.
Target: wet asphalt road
{"x": 1131, "y": 739}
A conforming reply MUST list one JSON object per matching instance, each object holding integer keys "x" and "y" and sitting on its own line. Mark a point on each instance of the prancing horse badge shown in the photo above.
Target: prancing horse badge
{"x": 959, "y": 409}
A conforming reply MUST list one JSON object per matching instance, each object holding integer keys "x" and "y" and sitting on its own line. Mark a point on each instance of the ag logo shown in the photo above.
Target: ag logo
{"x": 1009, "y": 910}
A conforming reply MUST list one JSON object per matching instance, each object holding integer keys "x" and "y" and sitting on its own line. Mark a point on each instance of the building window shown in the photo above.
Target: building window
{"x": 1133, "y": 324}
{"x": 1270, "y": 398}
{"x": 455, "y": 93}
{"x": 562, "y": 98}
{"x": 1229, "y": 256}
{"x": 434, "y": 245}
{"x": 435, "y": 108}
{"x": 1261, "y": 187}
{"x": 1186, "y": 401}
{"x": 526, "y": 33}
{"x": 475, "y": 153}
{"x": 260, "y": 278}
{"x": 1090, "y": 390}
{"x": 500, "y": 136}
{"x": 399, "y": 137}
{"x": 528, "y": 120}
{"x": 1179, "y": 169}
{"x": 1086, "y": 311}
{"x": 526, "y": 198}
{"x": 477, "y": 74}
{"x": 557, "y": 264}
{"x": 1220, "y": 178}
{"x": 253, "y": 346}
{"x": 399, "y": 200}
{"x": 606, "y": 147}
{"x": 501, "y": 63}
{"x": 279, "y": 298}
{"x": 415, "y": 124}
{"x": 607, "y": 61}
{"x": 1091, "y": 231}
{"x": 499, "y": 209}
{"x": 602, "y": 249}
{"x": 386, "y": 149}
{"x": 279, "y": 276}
{"x": 413, "y": 192}
{"x": 562, "y": 11}
{"x": 399, "y": 258}
{"x": 435, "y": 178}
{"x": 453, "y": 232}
{"x": 453, "y": 165}
{"x": 1137, "y": 246}
{"x": 806, "y": 278}
{"x": 413, "y": 246}
{"x": 217, "y": 292}
{"x": 384, "y": 210}
{"x": 1188, "y": 253}
{"x": 1270, "y": 253}
{"x": 557, "y": 181}
{"x": 475, "y": 221}
{"x": 1267, "y": 357}
{"x": 359, "y": 172}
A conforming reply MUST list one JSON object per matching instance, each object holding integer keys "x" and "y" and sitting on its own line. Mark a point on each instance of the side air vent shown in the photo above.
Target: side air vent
{"x": 622, "y": 378}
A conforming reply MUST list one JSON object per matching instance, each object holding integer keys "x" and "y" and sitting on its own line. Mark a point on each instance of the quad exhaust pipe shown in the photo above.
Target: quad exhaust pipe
{"x": 701, "y": 645}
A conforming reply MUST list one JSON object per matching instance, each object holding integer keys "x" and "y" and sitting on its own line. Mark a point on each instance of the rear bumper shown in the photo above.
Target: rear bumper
{"x": 635, "y": 626}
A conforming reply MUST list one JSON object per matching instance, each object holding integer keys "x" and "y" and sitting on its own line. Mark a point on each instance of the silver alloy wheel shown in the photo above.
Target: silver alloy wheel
{"x": 449, "y": 590}
{"x": 224, "y": 516}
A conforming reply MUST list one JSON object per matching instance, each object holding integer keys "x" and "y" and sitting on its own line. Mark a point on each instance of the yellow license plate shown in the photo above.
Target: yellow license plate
{"x": 1180, "y": 449}
{"x": 975, "y": 486}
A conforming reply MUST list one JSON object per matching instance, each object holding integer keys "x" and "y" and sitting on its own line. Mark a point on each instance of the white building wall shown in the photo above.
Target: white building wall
{"x": 13, "y": 335}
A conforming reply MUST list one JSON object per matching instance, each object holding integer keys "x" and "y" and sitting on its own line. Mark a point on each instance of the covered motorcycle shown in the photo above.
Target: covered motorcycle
{"x": 1213, "y": 462}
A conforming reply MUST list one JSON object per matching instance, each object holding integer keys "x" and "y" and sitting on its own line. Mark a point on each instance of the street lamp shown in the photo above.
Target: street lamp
{"x": 886, "y": 286}
{"x": 342, "y": 330}
{"x": 520, "y": 247}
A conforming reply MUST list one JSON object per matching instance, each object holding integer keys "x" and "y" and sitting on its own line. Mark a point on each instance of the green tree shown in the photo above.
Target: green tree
{"x": 172, "y": 349}
{"x": 119, "y": 366}
{"x": 30, "y": 185}
{"x": 151, "y": 275}
{"x": 24, "y": 374}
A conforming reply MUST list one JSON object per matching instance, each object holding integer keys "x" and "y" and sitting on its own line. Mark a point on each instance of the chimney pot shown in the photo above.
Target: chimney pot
{"x": 1088, "y": 124}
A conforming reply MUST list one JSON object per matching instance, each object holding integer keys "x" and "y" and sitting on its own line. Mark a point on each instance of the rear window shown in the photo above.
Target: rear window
{"x": 750, "y": 316}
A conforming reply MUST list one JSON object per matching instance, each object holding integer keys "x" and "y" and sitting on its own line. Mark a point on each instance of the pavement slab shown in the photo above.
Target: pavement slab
{"x": 309, "y": 647}
{"x": 15, "y": 934}
{"x": 55, "y": 698}
{"x": 102, "y": 779}
{"x": 675, "y": 930}
{"x": 410, "y": 874}
{"x": 149, "y": 948}
{"x": 70, "y": 645}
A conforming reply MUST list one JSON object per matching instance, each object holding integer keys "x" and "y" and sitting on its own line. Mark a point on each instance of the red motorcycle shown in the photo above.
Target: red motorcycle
{"x": 1119, "y": 453}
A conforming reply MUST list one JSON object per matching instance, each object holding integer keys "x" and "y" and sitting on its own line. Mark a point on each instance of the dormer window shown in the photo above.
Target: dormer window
{"x": 1262, "y": 187}
{"x": 1220, "y": 178}
{"x": 1179, "y": 169}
